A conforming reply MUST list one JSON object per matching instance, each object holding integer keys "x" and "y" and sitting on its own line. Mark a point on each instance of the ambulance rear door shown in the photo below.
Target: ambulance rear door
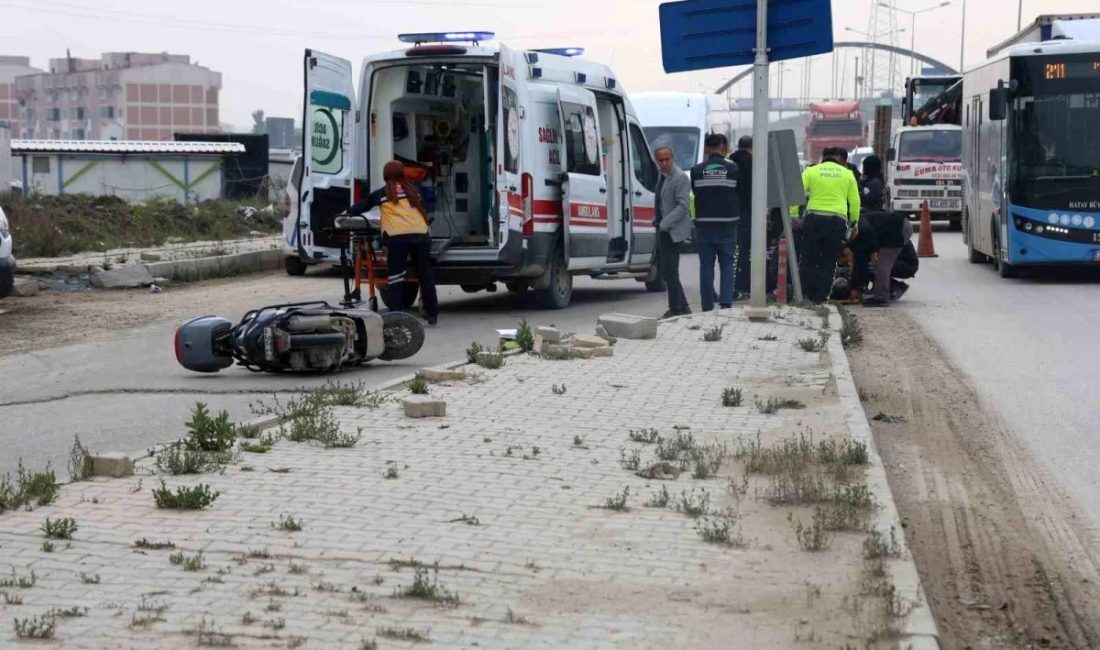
{"x": 514, "y": 189}
{"x": 584, "y": 196}
{"x": 328, "y": 146}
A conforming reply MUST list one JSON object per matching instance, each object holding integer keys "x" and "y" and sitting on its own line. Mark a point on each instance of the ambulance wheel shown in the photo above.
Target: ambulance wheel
{"x": 558, "y": 293}
{"x": 412, "y": 290}
{"x": 294, "y": 266}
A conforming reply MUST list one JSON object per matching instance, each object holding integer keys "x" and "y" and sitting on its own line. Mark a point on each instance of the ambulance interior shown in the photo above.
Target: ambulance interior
{"x": 439, "y": 119}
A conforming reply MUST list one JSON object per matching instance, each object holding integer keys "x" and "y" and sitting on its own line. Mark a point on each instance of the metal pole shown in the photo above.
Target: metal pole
{"x": 758, "y": 299}
{"x": 962, "y": 42}
{"x": 913, "y": 45}
{"x": 1020, "y": 17}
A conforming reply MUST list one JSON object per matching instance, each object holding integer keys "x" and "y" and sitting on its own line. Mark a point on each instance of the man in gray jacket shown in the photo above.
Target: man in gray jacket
{"x": 673, "y": 227}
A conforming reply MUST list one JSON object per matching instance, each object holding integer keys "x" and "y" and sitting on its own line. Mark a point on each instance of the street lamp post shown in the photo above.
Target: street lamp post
{"x": 962, "y": 41}
{"x": 870, "y": 39}
{"x": 913, "y": 28}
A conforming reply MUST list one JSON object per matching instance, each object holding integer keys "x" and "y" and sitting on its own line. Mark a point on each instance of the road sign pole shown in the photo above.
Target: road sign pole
{"x": 758, "y": 299}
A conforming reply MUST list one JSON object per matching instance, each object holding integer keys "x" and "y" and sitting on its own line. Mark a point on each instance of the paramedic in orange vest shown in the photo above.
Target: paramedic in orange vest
{"x": 405, "y": 233}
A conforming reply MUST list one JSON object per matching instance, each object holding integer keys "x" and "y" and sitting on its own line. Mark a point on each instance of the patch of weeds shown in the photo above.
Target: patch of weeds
{"x": 490, "y": 360}
{"x": 188, "y": 562}
{"x": 733, "y": 397}
{"x": 723, "y": 530}
{"x": 184, "y": 498}
{"x": 89, "y": 578}
{"x": 775, "y": 404}
{"x": 72, "y": 612}
{"x": 644, "y": 436}
{"x": 276, "y": 623}
{"x": 259, "y": 554}
{"x": 674, "y": 449}
{"x": 843, "y": 452}
{"x": 47, "y": 547}
{"x": 23, "y": 582}
{"x": 631, "y": 460}
{"x": 297, "y": 569}
{"x": 144, "y": 543}
{"x": 315, "y": 421}
{"x": 713, "y": 334}
{"x": 288, "y": 523}
{"x": 851, "y": 333}
{"x": 473, "y": 350}
{"x": 296, "y": 642}
{"x": 707, "y": 460}
{"x": 154, "y": 606}
{"x": 274, "y": 590}
{"x": 618, "y": 501}
{"x": 769, "y": 337}
{"x": 402, "y": 634}
{"x": 177, "y": 459}
{"x": 80, "y": 461}
{"x": 206, "y": 636}
{"x": 145, "y": 621}
{"x": 138, "y": 487}
{"x": 428, "y": 588}
{"x": 797, "y": 487}
{"x": 11, "y": 599}
{"x": 418, "y": 386}
{"x": 660, "y": 499}
{"x": 248, "y": 619}
{"x": 323, "y": 586}
{"x": 206, "y": 433}
{"x": 59, "y": 528}
{"x": 255, "y": 447}
{"x": 525, "y": 336}
{"x": 815, "y": 344}
{"x": 512, "y": 618}
{"x": 368, "y": 644}
{"x": 813, "y": 538}
{"x": 877, "y": 546}
{"x": 39, "y": 488}
{"x": 889, "y": 419}
{"x": 578, "y": 442}
{"x": 391, "y": 473}
{"x": 694, "y": 504}
{"x": 248, "y": 431}
{"x": 850, "y": 508}
{"x": 264, "y": 569}
{"x": 35, "y": 627}
{"x": 558, "y": 390}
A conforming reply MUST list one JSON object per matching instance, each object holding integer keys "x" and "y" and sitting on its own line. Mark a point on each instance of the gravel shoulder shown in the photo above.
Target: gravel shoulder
{"x": 1006, "y": 560}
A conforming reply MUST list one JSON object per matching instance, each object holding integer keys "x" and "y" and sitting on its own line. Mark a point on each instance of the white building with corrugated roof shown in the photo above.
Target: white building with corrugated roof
{"x": 131, "y": 170}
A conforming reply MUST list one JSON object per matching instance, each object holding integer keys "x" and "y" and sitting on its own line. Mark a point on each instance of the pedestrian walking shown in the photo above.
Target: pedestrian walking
{"x": 832, "y": 211}
{"x": 405, "y": 234}
{"x": 673, "y": 227}
{"x": 743, "y": 159}
{"x": 717, "y": 213}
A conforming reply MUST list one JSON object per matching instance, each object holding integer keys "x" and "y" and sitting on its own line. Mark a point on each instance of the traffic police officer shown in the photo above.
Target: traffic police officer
{"x": 717, "y": 212}
{"x": 832, "y": 208}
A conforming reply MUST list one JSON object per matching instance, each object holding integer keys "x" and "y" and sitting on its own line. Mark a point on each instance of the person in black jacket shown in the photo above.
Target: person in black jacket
{"x": 743, "y": 159}
{"x": 872, "y": 185}
{"x": 717, "y": 211}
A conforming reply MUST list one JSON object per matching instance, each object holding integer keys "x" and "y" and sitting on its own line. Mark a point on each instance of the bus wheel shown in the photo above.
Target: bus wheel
{"x": 560, "y": 289}
{"x": 1004, "y": 269}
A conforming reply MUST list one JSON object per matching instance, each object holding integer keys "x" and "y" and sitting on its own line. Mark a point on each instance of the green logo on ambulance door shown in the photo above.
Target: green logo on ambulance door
{"x": 327, "y": 140}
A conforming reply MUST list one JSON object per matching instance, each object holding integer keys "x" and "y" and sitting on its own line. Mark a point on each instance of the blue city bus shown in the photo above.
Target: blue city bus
{"x": 1031, "y": 156}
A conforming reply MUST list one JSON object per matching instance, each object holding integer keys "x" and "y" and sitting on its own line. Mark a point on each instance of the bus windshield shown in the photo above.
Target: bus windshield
{"x": 1055, "y": 133}
{"x": 933, "y": 145}
{"x": 684, "y": 141}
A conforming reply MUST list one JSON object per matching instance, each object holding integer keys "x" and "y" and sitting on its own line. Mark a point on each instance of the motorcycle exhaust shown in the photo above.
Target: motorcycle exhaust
{"x": 308, "y": 323}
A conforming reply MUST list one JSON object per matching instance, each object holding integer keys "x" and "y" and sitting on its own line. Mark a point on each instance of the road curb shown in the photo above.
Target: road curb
{"x": 187, "y": 270}
{"x": 920, "y": 629}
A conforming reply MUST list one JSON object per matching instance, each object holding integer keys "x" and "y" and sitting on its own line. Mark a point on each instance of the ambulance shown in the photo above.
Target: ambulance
{"x": 925, "y": 165}
{"x": 532, "y": 163}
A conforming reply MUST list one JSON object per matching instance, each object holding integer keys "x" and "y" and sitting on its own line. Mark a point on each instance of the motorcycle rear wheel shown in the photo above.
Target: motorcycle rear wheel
{"x": 403, "y": 334}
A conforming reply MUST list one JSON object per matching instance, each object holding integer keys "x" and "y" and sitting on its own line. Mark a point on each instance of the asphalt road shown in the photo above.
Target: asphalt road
{"x": 127, "y": 393}
{"x": 1029, "y": 345}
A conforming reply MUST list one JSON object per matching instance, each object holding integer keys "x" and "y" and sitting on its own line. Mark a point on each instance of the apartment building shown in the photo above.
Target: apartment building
{"x": 120, "y": 96}
{"x": 10, "y": 68}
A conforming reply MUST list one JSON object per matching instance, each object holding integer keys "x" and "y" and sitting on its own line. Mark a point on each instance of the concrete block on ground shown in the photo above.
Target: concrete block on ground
{"x": 556, "y": 351}
{"x": 627, "y": 326}
{"x": 584, "y": 353}
{"x": 605, "y": 351}
{"x": 25, "y": 286}
{"x": 601, "y": 332}
{"x": 441, "y": 374}
{"x": 589, "y": 342}
{"x": 548, "y": 334}
{"x": 424, "y": 406}
{"x": 151, "y": 257}
{"x": 114, "y": 464}
{"x": 129, "y": 276}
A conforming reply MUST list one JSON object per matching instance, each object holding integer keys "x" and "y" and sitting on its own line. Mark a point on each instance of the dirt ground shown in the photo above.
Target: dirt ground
{"x": 52, "y": 318}
{"x": 1001, "y": 553}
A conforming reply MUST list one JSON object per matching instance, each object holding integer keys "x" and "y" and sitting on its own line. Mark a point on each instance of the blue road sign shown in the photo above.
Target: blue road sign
{"x": 703, "y": 34}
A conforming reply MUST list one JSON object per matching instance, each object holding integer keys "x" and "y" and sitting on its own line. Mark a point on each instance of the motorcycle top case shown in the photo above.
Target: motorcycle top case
{"x": 195, "y": 344}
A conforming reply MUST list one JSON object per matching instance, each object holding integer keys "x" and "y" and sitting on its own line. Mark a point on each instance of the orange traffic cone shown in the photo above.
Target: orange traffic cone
{"x": 925, "y": 248}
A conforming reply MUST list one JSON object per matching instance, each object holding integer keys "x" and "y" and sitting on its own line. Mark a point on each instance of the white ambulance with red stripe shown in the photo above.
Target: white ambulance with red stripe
{"x": 532, "y": 163}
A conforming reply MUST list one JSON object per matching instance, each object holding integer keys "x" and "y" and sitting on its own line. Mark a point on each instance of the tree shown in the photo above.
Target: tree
{"x": 260, "y": 125}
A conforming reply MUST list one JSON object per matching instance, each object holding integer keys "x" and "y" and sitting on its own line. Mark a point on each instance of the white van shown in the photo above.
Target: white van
{"x": 682, "y": 121}
{"x": 536, "y": 167}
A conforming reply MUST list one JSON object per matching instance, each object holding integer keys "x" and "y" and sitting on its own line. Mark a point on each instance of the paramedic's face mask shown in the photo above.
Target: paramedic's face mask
{"x": 665, "y": 161}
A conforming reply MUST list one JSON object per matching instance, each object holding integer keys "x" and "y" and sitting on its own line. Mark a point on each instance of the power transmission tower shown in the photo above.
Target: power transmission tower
{"x": 882, "y": 67}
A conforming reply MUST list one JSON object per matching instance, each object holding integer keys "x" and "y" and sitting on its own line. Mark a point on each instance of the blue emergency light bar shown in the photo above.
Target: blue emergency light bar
{"x": 564, "y": 51}
{"x": 446, "y": 37}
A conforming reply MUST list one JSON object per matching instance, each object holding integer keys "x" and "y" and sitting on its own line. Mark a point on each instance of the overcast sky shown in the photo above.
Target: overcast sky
{"x": 257, "y": 46}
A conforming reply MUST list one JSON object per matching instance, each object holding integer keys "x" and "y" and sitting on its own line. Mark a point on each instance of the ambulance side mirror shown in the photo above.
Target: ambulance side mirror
{"x": 891, "y": 154}
{"x": 998, "y": 104}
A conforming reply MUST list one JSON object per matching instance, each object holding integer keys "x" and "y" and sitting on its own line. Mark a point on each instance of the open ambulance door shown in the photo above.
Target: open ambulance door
{"x": 584, "y": 196}
{"x": 328, "y": 154}
{"x": 515, "y": 191}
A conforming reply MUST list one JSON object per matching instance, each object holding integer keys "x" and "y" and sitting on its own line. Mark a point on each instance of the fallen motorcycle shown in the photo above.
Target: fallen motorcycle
{"x": 307, "y": 336}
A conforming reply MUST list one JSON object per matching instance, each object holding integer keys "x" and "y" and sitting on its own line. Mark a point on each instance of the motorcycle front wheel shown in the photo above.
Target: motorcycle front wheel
{"x": 403, "y": 334}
